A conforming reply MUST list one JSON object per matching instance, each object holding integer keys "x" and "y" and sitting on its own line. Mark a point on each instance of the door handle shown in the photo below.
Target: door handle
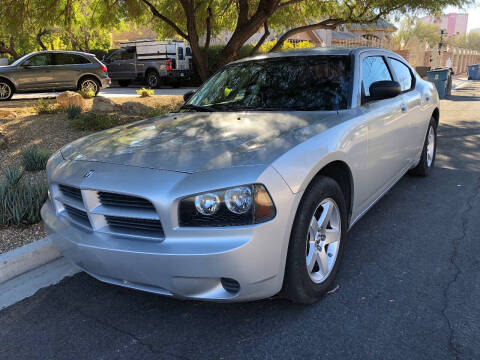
{"x": 404, "y": 108}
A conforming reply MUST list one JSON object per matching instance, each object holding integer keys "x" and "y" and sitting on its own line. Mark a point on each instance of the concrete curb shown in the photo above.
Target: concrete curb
{"x": 26, "y": 258}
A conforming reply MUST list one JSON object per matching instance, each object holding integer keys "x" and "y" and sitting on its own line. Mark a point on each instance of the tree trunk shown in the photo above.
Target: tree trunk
{"x": 10, "y": 50}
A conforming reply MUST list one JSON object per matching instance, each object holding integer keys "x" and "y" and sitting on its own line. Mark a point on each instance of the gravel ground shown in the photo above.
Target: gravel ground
{"x": 51, "y": 132}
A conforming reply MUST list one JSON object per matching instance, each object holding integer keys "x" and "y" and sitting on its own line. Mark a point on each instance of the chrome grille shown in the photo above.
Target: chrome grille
{"x": 110, "y": 212}
{"x": 70, "y": 192}
{"x": 119, "y": 200}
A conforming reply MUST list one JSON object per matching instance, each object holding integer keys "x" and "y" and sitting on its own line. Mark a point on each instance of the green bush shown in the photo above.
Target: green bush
{"x": 73, "y": 112}
{"x": 94, "y": 121}
{"x": 34, "y": 159}
{"x": 144, "y": 92}
{"x": 20, "y": 201}
{"x": 87, "y": 93}
{"x": 43, "y": 106}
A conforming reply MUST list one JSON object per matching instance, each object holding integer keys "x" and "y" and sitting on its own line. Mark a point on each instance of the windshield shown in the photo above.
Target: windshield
{"x": 294, "y": 83}
{"x": 16, "y": 62}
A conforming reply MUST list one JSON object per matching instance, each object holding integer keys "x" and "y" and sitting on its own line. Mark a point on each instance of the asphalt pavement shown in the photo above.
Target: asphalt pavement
{"x": 408, "y": 287}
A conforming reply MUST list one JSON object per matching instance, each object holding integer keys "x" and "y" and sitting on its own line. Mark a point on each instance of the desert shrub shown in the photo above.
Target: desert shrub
{"x": 73, "y": 112}
{"x": 94, "y": 121}
{"x": 144, "y": 92}
{"x": 87, "y": 93}
{"x": 20, "y": 200}
{"x": 34, "y": 159}
{"x": 156, "y": 111}
{"x": 43, "y": 106}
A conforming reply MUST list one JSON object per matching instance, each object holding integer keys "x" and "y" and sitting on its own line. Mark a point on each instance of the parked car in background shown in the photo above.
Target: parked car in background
{"x": 249, "y": 190}
{"x": 151, "y": 62}
{"x": 53, "y": 71}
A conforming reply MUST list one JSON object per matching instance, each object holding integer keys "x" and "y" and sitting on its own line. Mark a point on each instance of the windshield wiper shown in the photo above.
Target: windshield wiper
{"x": 197, "y": 108}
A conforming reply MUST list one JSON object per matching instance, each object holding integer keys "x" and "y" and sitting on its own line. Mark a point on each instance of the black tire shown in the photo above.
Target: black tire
{"x": 424, "y": 167}
{"x": 87, "y": 82}
{"x": 6, "y": 90}
{"x": 152, "y": 78}
{"x": 298, "y": 285}
{"x": 469, "y": 78}
{"x": 124, "y": 83}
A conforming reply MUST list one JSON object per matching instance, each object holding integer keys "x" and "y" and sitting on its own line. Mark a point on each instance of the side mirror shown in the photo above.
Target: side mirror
{"x": 188, "y": 95}
{"x": 380, "y": 90}
{"x": 26, "y": 65}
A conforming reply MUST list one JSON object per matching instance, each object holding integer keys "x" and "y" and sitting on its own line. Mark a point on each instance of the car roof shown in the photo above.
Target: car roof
{"x": 63, "y": 52}
{"x": 338, "y": 51}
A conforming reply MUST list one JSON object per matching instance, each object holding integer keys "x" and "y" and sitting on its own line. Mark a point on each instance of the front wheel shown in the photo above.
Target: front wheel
{"x": 6, "y": 90}
{"x": 427, "y": 159}
{"x": 316, "y": 242}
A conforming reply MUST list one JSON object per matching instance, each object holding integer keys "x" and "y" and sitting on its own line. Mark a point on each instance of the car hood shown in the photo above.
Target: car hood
{"x": 4, "y": 68}
{"x": 191, "y": 142}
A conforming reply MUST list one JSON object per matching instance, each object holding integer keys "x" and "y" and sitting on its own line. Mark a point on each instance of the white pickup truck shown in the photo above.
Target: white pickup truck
{"x": 152, "y": 62}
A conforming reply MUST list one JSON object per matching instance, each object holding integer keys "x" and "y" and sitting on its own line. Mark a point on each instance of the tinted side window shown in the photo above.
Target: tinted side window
{"x": 117, "y": 55}
{"x": 127, "y": 54}
{"x": 374, "y": 69}
{"x": 39, "y": 60}
{"x": 188, "y": 51}
{"x": 180, "y": 53}
{"x": 62, "y": 59}
{"x": 404, "y": 76}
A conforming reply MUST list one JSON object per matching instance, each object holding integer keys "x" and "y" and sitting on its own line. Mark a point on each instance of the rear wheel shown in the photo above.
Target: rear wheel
{"x": 316, "y": 242}
{"x": 89, "y": 83}
{"x": 153, "y": 79}
{"x": 6, "y": 90}
{"x": 427, "y": 160}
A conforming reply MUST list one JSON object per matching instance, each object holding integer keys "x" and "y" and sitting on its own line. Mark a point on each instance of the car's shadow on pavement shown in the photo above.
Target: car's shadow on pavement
{"x": 396, "y": 299}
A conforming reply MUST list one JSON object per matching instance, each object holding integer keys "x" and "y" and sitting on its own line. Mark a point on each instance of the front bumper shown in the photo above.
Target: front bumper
{"x": 179, "y": 75}
{"x": 188, "y": 263}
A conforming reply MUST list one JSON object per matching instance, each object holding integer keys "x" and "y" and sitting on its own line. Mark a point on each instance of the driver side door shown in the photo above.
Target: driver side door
{"x": 385, "y": 123}
{"x": 36, "y": 73}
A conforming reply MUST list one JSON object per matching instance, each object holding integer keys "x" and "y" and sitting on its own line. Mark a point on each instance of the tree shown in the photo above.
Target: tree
{"x": 469, "y": 41}
{"x": 411, "y": 30}
{"x": 197, "y": 21}
{"x": 29, "y": 25}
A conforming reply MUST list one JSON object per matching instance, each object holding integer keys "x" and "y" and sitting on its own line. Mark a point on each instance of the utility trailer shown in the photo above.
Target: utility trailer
{"x": 151, "y": 62}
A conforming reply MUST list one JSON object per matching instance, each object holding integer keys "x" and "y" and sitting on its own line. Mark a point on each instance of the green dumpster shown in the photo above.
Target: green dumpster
{"x": 442, "y": 80}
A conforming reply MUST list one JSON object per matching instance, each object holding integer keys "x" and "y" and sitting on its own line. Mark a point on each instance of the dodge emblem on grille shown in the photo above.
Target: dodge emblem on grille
{"x": 88, "y": 173}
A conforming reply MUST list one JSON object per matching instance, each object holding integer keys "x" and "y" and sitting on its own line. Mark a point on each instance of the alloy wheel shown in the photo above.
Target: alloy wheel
{"x": 152, "y": 80}
{"x": 5, "y": 91}
{"x": 90, "y": 85}
{"x": 430, "y": 146}
{"x": 323, "y": 240}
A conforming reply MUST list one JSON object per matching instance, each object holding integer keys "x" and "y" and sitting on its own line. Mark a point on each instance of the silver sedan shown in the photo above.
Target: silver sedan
{"x": 249, "y": 189}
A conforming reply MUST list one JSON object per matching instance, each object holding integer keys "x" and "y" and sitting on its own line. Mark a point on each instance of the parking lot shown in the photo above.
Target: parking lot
{"x": 408, "y": 287}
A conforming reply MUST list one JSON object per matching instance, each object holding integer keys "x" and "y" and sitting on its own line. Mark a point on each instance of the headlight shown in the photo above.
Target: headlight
{"x": 240, "y": 205}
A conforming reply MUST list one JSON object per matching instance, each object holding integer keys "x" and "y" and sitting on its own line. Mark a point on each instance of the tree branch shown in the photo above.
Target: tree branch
{"x": 10, "y": 49}
{"x": 288, "y": 3}
{"x": 325, "y": 24}
{"x": 169, "y": 22}
{"x": 264, "y": 37}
